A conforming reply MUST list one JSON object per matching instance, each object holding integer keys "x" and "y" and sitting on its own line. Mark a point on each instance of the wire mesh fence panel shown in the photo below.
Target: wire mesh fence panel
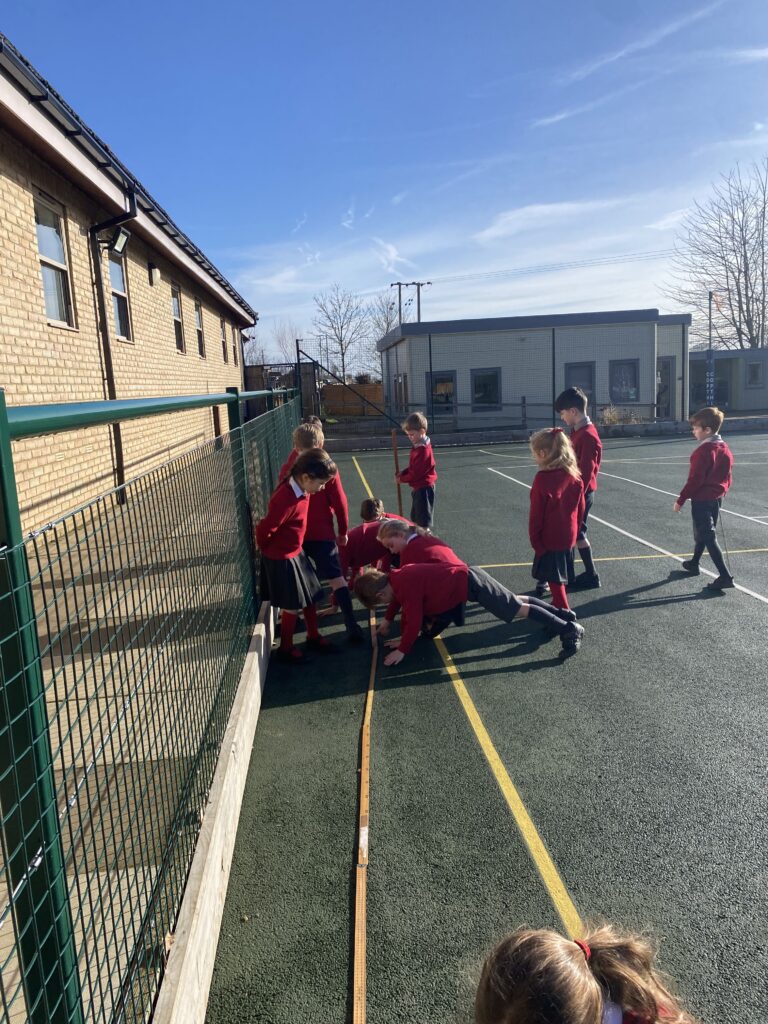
{"x": 142, "y": 606}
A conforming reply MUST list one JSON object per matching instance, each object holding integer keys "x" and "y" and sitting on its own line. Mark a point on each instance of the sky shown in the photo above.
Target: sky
{"x": 302, "y": 145}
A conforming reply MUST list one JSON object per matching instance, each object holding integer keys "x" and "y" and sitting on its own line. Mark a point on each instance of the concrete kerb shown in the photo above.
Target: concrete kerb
{"x": 183, "y": 996}
{"x": 735, "y": 425}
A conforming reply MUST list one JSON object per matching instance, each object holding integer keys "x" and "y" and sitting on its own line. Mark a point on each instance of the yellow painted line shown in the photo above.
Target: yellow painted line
{"x": 538, "y": 851}
{"x": 368, "y": 490}
{"x": 359, "y": 972}
{"x": 623, "y": 558}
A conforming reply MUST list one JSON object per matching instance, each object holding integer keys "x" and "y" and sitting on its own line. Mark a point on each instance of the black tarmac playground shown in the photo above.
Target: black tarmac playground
{"x": 509, "y": 787}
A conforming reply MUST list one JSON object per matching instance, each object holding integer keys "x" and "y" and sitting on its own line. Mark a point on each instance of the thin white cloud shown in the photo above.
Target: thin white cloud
{"x": 368, "y": 213}
{"x": 748, "y": 56}
{"x": 669, "y": 221}
{"x": 585, "y": 108}
{"x": 542, "y": 215}
{"x": 397, "y": 199}
{"x": 645, "y": 42}
{"x": 299, "y": 224}
{"x": 348, "y": 220}
{"x": 759, "y": 137}
{"x": 389, "y": 256}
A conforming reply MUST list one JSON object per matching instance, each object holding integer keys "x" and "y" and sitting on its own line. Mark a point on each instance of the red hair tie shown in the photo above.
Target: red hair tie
{"x": 582, "y": 945}
{"x": 557, "y": 430}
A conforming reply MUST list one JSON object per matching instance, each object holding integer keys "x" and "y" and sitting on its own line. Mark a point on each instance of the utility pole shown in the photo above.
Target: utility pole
{"x": 399, "y": 285}
{"x": 418, "y": 285}
{"x": 710, "y": 390}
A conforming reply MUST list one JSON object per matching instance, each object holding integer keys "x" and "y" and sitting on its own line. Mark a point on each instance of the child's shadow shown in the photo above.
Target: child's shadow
{"x": 628, "y": 599}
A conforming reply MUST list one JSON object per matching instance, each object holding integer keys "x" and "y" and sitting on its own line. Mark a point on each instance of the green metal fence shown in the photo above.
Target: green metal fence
{"x": 123, "y": 632}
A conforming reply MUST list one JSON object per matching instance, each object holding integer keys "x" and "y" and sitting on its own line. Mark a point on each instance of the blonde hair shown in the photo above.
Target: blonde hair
{"x": 711, "y": 417}
{"x": 307, "y": 435}
{"x": 416, "y": 421}
{"x": 368, "y": 587}
{"x": 557, "y": 448}
{"x": 398, "y": 528}
{"x": 371, "y": 509}
{"x": 538, "y": 975}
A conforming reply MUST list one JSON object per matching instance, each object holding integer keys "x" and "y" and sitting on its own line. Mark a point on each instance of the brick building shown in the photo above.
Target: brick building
{"x": 84, "y": 319}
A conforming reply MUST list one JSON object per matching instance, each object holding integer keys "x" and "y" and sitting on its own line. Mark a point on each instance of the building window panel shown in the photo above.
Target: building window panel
{"x": 486, "y": 390}
{"x": 54, "y": 269}
{"x": 224, "y": 350}
{"x": 199, "y": 329}
{"x": 442, "y": 392}
{"x": 235, "y": 343}
{"x": 120, "y": 308}
{"x": 178, "y": 324}
{"x": 624, "y": 380}
{"x": 756, "y": 375}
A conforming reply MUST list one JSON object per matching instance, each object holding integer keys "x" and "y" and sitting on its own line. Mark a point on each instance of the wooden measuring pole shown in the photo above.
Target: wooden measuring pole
{"x": 397, "y": 470}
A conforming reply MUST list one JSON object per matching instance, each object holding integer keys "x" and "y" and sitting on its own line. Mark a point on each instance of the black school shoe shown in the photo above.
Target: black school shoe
{"x": 542, "y": 590}
{"x": 295, "y": 657}
{"x": 355, "y": 635}
{"x": 586, "y": 581}
{"x": 568, "y": 614}
{"x": 721, "y": 583}
{"x": 692, "y": 568}
{"x": 571, "y": 640}
{"x": 321, "y": 645}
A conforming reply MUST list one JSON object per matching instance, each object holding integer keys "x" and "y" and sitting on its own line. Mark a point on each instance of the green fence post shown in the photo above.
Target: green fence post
{"x": 240, "y": 477}
{"x": 42, "y": 913}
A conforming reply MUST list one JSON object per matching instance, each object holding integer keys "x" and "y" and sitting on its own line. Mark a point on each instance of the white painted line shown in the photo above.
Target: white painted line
{"x": 672, "y": 494}
{"x": 632, "y": 536}
{"x": 510, "y": 455}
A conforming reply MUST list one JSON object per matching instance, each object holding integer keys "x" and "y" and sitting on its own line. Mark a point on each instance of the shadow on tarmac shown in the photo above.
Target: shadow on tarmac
{"x": 627, "y": 599}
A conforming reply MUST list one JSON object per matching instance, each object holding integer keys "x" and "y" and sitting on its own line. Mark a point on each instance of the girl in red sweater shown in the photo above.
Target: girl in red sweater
{"x": 557, "y": 509}
{"x": 536, "y": 975}
{"x": 287, "y": 578}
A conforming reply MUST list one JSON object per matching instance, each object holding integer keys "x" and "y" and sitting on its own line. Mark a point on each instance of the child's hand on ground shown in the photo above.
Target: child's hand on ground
{"x": 394, "y": 658}
{"x": 676, "y": 507}
{"x": 383, "y": 628}
{"x": 392, "y": 643}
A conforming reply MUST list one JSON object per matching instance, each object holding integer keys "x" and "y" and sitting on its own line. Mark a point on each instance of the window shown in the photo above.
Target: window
{"x": 443, "y": 391}
{"x": 119, "y": 296}
{"x": 52, "y": 250}
{"x": 486, "y": 390}
{"x": 235, "y": 343}
{"x": 178, "y": 324}
{"x": 755, "y": 375}
{"x": 224, "y": 352}
{"x": 199, "y": 329}
{"x": 624, "y": 380}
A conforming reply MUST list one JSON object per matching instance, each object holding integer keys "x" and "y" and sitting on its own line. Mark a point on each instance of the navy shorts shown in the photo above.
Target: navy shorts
{"x": 324, "y": 555}
{"x": 588, "y": 499}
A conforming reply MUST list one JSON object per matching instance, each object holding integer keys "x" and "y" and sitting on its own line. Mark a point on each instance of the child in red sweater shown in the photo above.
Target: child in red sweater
{"x": 557, "y": 510}
{"x": 572, "y": 406}
{"x": 287, "y": 578}
{"x": 434, "y": 591}
{"x": 709, "y": 479}
{"x": 536, "y": 975}
{"x": 420, "y": 474}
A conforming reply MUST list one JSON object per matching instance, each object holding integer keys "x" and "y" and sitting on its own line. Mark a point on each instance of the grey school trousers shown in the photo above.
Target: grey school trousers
{"x": 491, "y": 595}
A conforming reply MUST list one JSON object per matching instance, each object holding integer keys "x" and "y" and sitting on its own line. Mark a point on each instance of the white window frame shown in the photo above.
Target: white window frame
{"x": 235, "y": 344}
{"x": 178, "y": 320}
{"x": 114, "y": 258}
{"x": 199, "y": 328}
{"x": 224, "y": 349}
{"x": 58, "y": 210}
{"x": 760, "y": 382}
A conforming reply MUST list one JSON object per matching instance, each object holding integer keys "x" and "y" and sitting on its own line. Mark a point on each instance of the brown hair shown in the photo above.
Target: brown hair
{"x": 371, "y": 509}
{"x": 398, "y": 528}
{"x": 571, "y": 398}
{"x": 368, "y": 587}
{"x": 538, "y": 975}
{"x": 710, "y": 417}
{"x": 556, "y": 445}
{"x": 315, "y": 421}
{"x": 316, "y": 464}
{"x": 416, "y": 421}
{"x": 308, "y": 435}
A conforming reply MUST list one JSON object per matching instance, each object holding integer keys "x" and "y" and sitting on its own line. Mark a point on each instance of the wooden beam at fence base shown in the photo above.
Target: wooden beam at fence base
{"x": 183, "y": 997}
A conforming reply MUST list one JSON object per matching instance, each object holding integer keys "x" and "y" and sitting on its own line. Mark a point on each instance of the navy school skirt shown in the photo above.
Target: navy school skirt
{"x": 289, "y": 583}
{"x": 551, "y": 567}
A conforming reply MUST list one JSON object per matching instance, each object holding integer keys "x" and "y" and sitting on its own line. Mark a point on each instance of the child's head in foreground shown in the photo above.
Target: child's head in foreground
{"x": 308, "y": 435}
{"x": 552, "y": 449}
{"x": 371, "y": 509}
{"x": 314, "y": 421}
{"x": 572, "y": 405}
{"x": 394, "y": 534}
{"x": 313, "y": 469}
{"x": 709, "y": 420}
{"x": 371, "y": 588}
{"x": 415, "y": 426}
{"x": 540, "y": 977}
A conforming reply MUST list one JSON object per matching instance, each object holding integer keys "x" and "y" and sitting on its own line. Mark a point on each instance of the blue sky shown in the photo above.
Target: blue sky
{"x": 303, "y": 144}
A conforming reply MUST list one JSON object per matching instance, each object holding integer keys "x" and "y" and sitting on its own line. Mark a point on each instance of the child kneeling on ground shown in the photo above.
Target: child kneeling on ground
{"x": 540, "y": 977}
{"x": 438, "y": 591}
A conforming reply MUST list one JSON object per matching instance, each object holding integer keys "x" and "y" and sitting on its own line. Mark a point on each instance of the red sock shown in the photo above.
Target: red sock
{"x": 310, "y": 617}
{"x": 287, "y": 626}
{"x": 559, "y": 600}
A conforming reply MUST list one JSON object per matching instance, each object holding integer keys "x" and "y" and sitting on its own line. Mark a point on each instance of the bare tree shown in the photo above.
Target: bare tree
{"x": 284, "y": 335}
{"x": 381, "y": 312}
{"x": 722, "y": 249}
{"x": 254, "y": 352}
{"x": 341, "y": 320}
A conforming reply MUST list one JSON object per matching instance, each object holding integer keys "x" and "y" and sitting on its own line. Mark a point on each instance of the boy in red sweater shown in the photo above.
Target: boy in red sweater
{"x": 572, "y": 406}
{"x": 435, "y": 591}
{"x": 709, "y": 479}
{"x": 420, "y": 474}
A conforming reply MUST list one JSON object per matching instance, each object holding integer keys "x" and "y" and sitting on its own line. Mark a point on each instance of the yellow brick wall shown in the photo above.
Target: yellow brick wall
{"x": 45, "y": 362}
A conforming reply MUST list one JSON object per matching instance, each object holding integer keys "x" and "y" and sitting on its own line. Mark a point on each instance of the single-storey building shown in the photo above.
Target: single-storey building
{"x": 102, "y": 296}
{"x": 501, "y": 371}
{"x": 741, "y": 379}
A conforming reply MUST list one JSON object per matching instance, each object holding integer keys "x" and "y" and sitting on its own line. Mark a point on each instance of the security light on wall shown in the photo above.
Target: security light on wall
{"x": 119, "y": 240}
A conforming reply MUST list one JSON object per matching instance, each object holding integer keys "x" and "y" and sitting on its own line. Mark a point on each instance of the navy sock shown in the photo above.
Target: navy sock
{"x": 344, "y": 601}
{"x": 547, "y": 618}
{"x": 586, "y": 557}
